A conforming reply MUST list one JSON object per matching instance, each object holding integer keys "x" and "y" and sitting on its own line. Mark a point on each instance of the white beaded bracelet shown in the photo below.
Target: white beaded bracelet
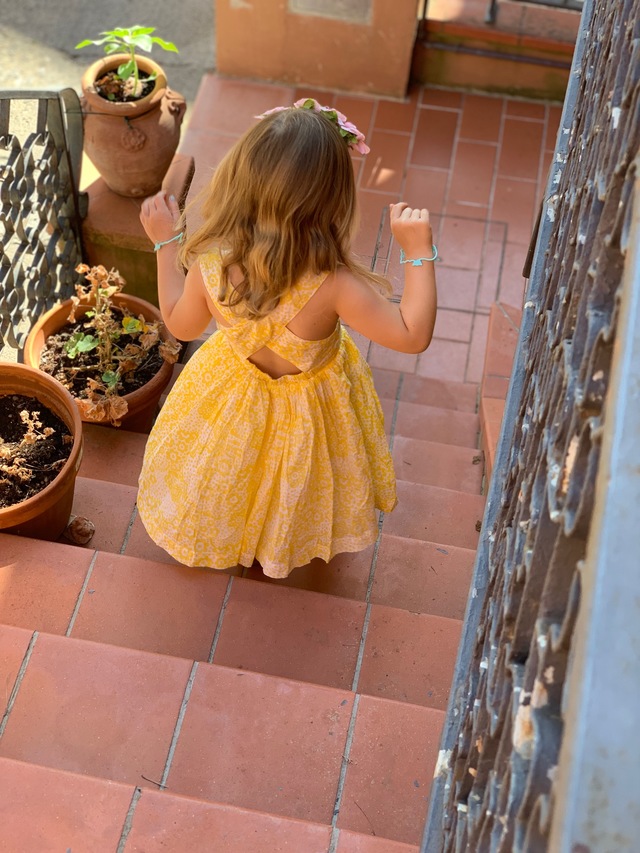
{"x": 417, "y": 262}
{"x": 179, "y": 237}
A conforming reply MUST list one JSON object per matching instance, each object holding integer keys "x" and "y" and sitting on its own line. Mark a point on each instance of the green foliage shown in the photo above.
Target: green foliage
{"x": 129, "y": 40}
{"x": 132, "y": 325}
{"x": 111, "y": 378}
{"x": 80, "y": 342}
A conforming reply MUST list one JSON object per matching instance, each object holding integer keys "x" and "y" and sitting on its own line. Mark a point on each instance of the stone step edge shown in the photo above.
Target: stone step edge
{"x": 284, "y": 591}
{"x": 128, "y": 651}
{"x": 56, "y": 777}
{"x": 411, "y": 539}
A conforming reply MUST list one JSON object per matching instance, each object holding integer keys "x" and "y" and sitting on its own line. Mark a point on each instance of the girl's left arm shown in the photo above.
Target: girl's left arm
{"x": 183, "y": 300}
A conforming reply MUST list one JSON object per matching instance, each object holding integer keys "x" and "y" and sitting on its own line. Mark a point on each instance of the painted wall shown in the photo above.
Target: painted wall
{"x": 352, "y": 45}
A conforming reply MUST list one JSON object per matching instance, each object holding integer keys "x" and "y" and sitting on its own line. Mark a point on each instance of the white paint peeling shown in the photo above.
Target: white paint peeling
{"x": 615, "y": 117}
{"x": 442, "y": 764}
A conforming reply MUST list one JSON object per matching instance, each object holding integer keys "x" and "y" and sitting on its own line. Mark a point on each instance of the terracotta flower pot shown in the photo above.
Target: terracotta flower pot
{"x": 142, "y": 403}
{"x": 45, "y": 515}
{"x": 131, "y": 143}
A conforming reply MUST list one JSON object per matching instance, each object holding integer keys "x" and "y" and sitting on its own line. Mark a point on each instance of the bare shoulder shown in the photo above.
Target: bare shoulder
{"x": 344, "y": 285}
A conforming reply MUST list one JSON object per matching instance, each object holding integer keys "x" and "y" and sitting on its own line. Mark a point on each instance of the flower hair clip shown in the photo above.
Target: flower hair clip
{"x": 349, "y": 132}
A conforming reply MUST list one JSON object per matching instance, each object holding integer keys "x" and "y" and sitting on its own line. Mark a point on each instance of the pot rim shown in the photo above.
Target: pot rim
{"x": 137, "y": 306}
{"x": 103, "y": 106}
{"x": 44, "y": 496}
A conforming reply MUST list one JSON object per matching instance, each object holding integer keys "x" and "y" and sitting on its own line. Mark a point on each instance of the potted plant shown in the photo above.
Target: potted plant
{"x": 109, "y": 349}
{"x": 131, "y": 119}
{"x": 40, "y": 452}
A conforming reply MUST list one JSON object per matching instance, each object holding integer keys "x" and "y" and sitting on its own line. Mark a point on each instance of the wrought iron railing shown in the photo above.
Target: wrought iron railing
{"x": 540, "y": 748}
{"x": 40, "y": 207}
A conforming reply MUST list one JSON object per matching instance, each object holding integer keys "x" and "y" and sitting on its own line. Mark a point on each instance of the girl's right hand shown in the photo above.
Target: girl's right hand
{"x": 159, "y": 216}
{"x": 412, "y": 229}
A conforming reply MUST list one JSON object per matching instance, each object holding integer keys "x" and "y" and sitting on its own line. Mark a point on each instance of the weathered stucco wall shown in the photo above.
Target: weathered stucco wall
{"x": 353, "y": 45}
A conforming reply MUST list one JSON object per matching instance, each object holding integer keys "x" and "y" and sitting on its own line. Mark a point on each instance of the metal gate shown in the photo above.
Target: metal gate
{"x": 40, "y": 207}
{"x": 541, "y": 747}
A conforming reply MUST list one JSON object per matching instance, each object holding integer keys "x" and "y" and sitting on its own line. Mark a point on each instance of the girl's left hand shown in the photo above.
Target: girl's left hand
{"x": 159, "y": 215}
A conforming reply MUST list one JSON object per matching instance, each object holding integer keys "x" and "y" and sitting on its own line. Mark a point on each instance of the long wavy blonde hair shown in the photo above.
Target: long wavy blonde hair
{"x": 281, "y": 203}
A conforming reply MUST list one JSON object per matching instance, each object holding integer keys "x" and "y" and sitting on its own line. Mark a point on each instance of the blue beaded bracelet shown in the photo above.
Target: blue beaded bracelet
{"x": 179, "y": 237}
{"x": 417, "y": 262}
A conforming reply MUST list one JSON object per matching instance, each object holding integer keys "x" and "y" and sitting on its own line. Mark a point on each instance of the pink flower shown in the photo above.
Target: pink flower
{"x": 350, "y": 133}
{"x": 274, "y": 110}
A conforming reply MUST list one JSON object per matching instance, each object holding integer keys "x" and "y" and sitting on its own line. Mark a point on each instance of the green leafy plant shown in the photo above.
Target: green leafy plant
{"x": 123, "y": 40}
{"x": 105, "y": 326}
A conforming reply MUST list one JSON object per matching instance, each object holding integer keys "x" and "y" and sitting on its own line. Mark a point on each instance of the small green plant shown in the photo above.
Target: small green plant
{"x": 106, "y": 325}
{"x": 122, "y": 40}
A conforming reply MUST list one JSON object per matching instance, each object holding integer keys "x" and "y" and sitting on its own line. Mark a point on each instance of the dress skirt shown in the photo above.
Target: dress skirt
{"x": 241, "y": 467}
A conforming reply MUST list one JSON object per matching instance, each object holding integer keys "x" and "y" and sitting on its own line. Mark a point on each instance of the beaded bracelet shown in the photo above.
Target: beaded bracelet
{"x": 417, "y": 262}
{"x": 159, "y": 245}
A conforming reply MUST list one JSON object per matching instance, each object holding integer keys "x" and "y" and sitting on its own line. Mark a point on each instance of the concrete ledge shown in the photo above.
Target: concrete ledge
{"x": 502, "y": 339}
{"x": 308, "y": 45}
{"x": 114, "y": 237}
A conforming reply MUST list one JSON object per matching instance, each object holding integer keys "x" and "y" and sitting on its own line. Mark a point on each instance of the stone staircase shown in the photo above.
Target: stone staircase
{"x": 150, "y": 706}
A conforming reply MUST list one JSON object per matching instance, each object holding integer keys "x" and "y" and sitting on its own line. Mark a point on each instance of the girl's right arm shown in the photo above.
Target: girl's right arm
{"x": 407, "y": 327}
{"x": 183, "y": 300}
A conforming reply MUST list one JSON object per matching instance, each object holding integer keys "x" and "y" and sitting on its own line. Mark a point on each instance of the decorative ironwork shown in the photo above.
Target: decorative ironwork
{"x": 494, "y": 788}
{"x": 40, "y": 242}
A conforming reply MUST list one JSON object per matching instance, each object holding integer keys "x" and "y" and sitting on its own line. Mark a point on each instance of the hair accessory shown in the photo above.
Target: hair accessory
{"x": 349, "y": 132}
{"x": 417, "y": 262}
{"x": 179, "y": 237}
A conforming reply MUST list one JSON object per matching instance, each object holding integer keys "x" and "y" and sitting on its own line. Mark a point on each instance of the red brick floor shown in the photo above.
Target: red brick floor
{"x": 148, "y": 706}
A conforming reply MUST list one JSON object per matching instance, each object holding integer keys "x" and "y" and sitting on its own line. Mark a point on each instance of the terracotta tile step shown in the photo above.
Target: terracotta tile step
{"x": 440, "y": 393}
{"x": 422, "y": 577}
{"x": 111, "y": 454}
{"x": 436, "y": 464}
{"x": 354, "y": 842}
{"x": 46, "y": 809}
{"x": 200, "y": 615}
{"x": 410, "y": 574}
{"x": 502, "y": 339}
{"x": 217, "y": 734}
{"x": 434, "y": 514}
{"x": 429, "y": 423}
{"x": 110, "y": 506}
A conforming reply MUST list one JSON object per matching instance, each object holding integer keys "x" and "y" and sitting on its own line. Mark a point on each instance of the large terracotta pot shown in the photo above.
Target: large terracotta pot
{"x": 131, "y": 143}
{"x": 142, "y": 403}
{"x": 45, "y": 515}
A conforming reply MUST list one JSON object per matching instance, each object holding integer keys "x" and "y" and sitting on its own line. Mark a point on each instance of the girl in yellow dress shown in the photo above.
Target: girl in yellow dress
{"x": 271, "y": 445}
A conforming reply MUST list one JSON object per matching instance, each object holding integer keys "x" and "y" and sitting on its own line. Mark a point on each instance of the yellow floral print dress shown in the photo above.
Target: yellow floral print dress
{"x": 240, "y": 466}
